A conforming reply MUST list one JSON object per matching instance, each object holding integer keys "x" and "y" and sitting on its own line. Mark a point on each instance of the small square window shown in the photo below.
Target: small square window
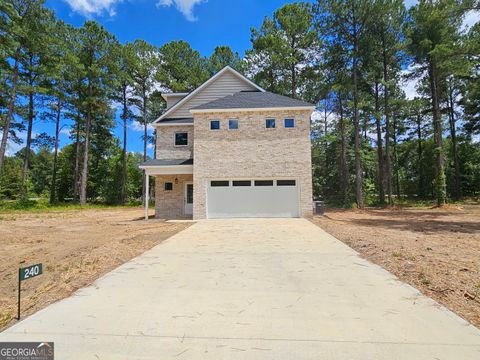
{"x": 289, "y": 123}
{"x": 233, "y": 124}
{"x": 215, "y": 125}
{"x": 286, "y": 182}
{"x": 168, "y": 186}
{"x": 181, "y": 139}
{"x": 219, "y": 183}
{"x": 263, "y": 182}
{"x": 270, "y": 123}
{"x": 241, "y": 183}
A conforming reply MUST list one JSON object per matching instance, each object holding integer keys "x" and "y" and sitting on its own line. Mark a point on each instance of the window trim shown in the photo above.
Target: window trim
{"x": 175, "y": 138}
{"x": 287, "y": 127}
{"x": 238, "y": 124}
{"x": 274, "y": 123}
{"x": 219, "y": 125}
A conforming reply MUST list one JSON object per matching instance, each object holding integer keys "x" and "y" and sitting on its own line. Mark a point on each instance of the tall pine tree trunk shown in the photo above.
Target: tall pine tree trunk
{"x": 53, "y": 188}
{"x": 381, "y": 176}
{"x": 28, "y": 146}
{"x": 11, "y": 109}
{"x": 343, "y": 155}
{"x": 395, "y": 157}
{"x": 124, "y": 152}
{"x": 84, "y": 175}
{"x": 421, "y": 178}
{"x": 76, "y": 169}
{"x": 356, "y": 120}
{"x": 145, "y": 140}
{"x": 440, "y": 183}
{"x": 453, "y": 134}
{"x": 386, "y": 100}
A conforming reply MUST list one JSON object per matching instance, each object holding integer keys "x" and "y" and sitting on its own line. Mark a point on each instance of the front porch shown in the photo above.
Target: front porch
{"x": 173, "y": 188}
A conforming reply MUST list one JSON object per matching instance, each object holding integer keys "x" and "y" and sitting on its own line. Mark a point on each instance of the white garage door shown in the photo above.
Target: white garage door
{"x": 252, "y": 198}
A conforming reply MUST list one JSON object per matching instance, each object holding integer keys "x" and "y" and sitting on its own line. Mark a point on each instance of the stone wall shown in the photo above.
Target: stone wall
{"x": 252, "y": 151}
{"x": 166, "y": 148}
{"x": 170, "y": 204}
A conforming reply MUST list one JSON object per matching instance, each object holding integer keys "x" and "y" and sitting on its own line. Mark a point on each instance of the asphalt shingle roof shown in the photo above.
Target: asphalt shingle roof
{"x": 252, "y": 99}
{"x": 169, "y": 162}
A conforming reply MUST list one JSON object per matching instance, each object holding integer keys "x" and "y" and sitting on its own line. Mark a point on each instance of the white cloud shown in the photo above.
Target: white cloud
{"x": 136, "y": 126}
{"x": 93, "y": 7}
{"x": 410, "y": 85}
{"x": 184, "y": 6}
{"x": 410, "y": 3}
{"x": 65, "y": 131}
{"x": 470, "y": 19}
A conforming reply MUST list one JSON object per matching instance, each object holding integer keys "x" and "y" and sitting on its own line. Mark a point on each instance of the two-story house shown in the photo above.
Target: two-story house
{"x": 232, "y": 149}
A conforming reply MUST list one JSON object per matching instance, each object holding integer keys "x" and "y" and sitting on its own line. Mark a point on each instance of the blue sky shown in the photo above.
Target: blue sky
{"x": 204, "y": 24}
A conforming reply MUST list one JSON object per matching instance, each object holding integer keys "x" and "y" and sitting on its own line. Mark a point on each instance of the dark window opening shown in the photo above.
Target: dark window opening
{"x": 286, "y": 182}
{"x": 181, "y": 139}
{"x": 233, "y": 124}
{"x": 168, "y": 186}
{"x": 219, "y": 183}
{"x": 241, "y": 183}
{"x": 263, "y": 182}
{"x": 270, "y": 123}
{"x": 289, "y": 123}
{"x": 215, "y": 125}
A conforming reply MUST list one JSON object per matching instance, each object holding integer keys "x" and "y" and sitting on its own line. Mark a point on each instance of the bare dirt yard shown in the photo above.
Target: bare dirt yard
{"x": 435, "y": 250}
{"x": 75, "y": 246}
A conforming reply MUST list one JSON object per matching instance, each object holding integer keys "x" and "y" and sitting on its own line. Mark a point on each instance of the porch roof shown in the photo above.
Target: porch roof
{"x": 168, "y": 166}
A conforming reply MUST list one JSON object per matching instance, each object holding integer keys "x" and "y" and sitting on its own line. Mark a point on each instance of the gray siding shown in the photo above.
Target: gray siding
{"x": 172, "y": 100}
{"x": 226, "y": 84}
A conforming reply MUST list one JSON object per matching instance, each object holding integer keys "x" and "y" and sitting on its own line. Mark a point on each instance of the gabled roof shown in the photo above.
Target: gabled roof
{"x": 252, "y": 100}
{"x": 204, "y": 85}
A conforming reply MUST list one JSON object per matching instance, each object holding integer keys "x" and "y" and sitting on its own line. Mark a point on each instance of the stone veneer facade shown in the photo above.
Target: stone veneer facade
{"x": 252, "y": 151}
{"x": 165, "y": 144}
{"x": 170, "y": 204}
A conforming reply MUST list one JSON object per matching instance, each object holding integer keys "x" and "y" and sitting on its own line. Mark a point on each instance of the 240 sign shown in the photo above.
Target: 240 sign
{"x": 30, "y": 272}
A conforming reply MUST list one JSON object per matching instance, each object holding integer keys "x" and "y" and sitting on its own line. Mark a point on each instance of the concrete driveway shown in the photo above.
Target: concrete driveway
{"x": 250, "y": 289}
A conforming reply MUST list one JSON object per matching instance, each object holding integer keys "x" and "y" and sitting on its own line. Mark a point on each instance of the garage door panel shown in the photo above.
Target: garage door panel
{"x": 252, "y": 201}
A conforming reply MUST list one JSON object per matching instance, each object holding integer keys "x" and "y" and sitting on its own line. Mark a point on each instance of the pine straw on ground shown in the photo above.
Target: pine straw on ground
{"x": 435, "y": 250}
{"x": 75, "y": 246}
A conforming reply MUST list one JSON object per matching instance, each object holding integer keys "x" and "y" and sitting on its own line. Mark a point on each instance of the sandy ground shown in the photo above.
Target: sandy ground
{"x": 75, "y": 246}
{"x": 436, "y": 251}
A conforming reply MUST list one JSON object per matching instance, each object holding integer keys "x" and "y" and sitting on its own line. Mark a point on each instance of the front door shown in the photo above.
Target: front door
{"x": 188, "y": 200}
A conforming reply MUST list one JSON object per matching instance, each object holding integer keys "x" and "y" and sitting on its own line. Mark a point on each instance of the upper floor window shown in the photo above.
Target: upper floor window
{"x": 215, "y": 125}
{"x": 289, "y": 123}
{"x": 270, "y": 123}
{"x": 233, "y": 124}
{"x": 181, "y": 139}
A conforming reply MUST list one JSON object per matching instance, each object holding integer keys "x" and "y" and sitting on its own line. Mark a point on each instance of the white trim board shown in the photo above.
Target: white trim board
{"x": 168, "y": 169}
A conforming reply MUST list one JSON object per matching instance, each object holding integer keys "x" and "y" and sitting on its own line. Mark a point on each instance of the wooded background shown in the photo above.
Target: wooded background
{"x": 371, "y": 144}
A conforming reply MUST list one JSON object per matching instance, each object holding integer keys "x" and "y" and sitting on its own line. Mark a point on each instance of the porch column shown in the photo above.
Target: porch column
{"x": 147, "y": 193}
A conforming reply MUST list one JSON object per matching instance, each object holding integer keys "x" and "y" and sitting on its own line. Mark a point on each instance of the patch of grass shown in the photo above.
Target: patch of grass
{"x": 397, "y": 254}
{"x": 43, "y": 205}
{"x": 424, "y": 280}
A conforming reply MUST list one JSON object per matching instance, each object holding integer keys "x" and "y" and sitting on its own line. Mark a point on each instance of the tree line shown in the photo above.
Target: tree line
{"x": 371, "y": 144}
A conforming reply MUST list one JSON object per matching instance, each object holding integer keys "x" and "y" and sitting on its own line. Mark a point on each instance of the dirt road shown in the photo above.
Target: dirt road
{"x": 75, "y": 247}
{"x": 437, "y": 251}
